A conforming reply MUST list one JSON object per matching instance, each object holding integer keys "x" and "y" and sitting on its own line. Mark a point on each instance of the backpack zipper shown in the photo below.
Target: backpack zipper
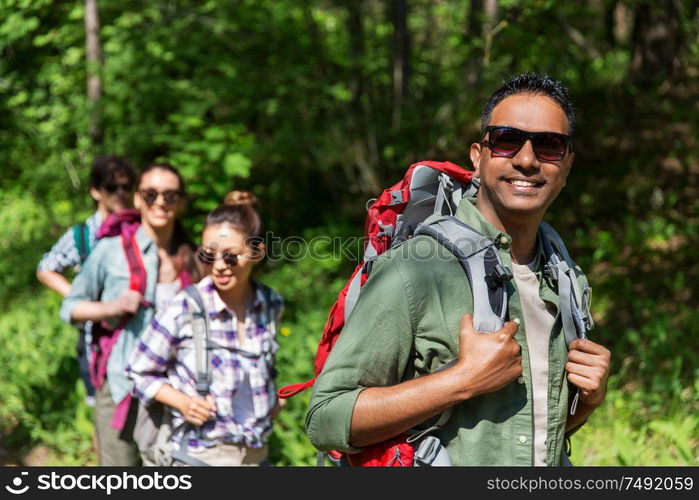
{"x": 396, "y": 458}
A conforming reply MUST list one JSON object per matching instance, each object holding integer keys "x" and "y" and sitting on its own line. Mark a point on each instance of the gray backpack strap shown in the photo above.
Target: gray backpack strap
{"x": 479, "y": 259}
{"x": 271, "y": 318}
{"x": 443, "y": 201}
{"x": 574, "y": 303}
{"x": 200, "y": 334}
{"x": 181, "y": 454}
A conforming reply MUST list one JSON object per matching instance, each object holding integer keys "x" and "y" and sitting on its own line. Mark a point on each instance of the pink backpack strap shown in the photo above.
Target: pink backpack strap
{"x": 105, "y": 338}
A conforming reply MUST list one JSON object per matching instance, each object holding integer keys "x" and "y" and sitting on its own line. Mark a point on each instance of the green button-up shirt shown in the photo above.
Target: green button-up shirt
{"x": 406, "y": 324}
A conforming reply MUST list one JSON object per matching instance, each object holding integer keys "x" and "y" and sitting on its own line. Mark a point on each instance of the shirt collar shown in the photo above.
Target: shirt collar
{"x": 96, "y": 218}
{"x": 470, "y": 215}
{"x": 144, "y": 241}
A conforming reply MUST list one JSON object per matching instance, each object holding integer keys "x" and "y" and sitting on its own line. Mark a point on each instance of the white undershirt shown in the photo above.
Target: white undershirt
{"x": 538, "y": 322}
{"x": 164, "y": 292}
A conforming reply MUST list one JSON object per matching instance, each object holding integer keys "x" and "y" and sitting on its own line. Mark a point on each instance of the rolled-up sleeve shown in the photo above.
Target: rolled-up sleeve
{"x": 149, "y": 362}
{"x": 88, "y": 285}
{"x": 373, "y": 350}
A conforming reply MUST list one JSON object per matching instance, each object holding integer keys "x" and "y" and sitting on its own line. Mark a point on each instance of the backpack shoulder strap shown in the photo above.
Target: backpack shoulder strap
{"x": 271, "y": 317}
{"x": 81, "y": 238}
{"x": 134, "y": 260}
{"x": 574, "y": 302}
{"x": 198, "y": 319}
{"x": 481, "y": 263}
{"x": 200, "y": 332}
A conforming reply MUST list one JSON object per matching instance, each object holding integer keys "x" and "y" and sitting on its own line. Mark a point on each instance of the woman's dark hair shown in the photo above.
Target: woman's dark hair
{"x": 179, "y": 235}
{"x": 109, "y": 169}
{"x": 238, "y": 210}
{"x": 168, "y": 168}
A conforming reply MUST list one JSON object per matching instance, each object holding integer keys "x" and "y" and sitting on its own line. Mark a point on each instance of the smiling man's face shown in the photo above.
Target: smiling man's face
{"x": 518, "y": 190}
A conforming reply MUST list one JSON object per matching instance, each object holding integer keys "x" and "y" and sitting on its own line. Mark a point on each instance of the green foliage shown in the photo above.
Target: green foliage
{"x": 41, "y": 396}
{"x": 310, "y": 286}
{"x": 296, "y": 102}
{"x": 625, "y": 431}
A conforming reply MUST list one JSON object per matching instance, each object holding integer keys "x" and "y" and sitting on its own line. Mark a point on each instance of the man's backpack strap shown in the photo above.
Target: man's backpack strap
{"x": 574, "y": 304}
{"x": 81, "y": 236}
{"x": 479, "y": 259}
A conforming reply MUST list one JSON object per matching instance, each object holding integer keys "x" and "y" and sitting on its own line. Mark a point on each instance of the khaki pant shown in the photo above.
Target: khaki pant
{"x": 232, "y": 454}
{"x": 115, "y": 447}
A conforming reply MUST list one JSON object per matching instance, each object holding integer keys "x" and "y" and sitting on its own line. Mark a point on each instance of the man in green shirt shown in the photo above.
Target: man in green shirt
{"x": 511, "y": 390}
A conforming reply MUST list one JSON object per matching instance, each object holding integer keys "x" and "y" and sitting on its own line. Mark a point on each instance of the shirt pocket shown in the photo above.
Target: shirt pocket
{"x": 115, "y": 283}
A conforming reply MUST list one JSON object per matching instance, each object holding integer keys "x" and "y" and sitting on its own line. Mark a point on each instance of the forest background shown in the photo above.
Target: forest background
{"x": 315, "y": 106}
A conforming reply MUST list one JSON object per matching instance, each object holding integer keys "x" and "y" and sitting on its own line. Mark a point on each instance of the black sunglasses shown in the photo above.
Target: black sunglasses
{"x": 171, "y": 196}
{"x": 507, "y": 141}
{"x": 208, "y": 257}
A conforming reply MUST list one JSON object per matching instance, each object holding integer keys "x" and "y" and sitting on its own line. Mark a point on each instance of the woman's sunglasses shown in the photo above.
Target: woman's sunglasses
{"x": 208, "y": 257}
{"x": 507, "y": 141}
{"x": 149, "y": 195}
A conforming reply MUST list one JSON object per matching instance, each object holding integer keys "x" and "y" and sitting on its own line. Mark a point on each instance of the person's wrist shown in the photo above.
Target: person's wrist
{"x": 461, "y": 381}
{"x": 111, "y": 308}
{"x": 595, "y": 400}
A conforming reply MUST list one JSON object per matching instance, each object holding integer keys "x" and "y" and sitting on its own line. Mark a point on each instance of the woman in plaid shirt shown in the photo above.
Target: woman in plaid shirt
{"x": 236, "y": 417}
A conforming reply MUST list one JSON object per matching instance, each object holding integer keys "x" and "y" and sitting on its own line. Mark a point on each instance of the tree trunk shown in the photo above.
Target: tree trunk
{"x": 473, "y": 27}
{"x": 316, "y": 39}
{"x": 655, "y": 41}
{"x": 401, "y": 58}
{"x": 365, "y": 147}
{"x": 94, "y": 65}
{"x": 490, "y": 12}
{"x": 472, "y": 61}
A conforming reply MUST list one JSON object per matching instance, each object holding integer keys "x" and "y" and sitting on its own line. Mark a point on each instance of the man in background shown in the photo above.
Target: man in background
{"x": 112, "y": 181}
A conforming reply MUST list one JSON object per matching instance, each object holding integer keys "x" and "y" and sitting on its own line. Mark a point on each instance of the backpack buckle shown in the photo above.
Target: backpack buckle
{"x": 396, "y": 197}
{"x": 500, "y": 275}
{"x": 202, "y": 388}
{"x": 551, "y": 272}
{"x": 386, "y": 229}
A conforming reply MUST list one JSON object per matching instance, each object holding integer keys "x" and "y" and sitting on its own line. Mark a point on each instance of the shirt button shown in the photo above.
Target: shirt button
{"x": 523, "y": 439}
{"x": 520, "y": 379}
{"x": 502, "y": 241}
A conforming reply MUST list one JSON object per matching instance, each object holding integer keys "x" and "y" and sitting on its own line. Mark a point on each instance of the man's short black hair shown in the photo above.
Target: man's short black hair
{"x": 111, "y": 168}
{"x": 536, "y": 84}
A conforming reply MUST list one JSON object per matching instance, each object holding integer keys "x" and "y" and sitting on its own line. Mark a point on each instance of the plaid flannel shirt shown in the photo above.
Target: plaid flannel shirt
{"x": 64, "y": 253}
{"x": 165, "y": 355}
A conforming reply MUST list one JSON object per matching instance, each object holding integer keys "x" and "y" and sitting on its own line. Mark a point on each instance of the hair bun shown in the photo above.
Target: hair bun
{"x": 240, "y": 198}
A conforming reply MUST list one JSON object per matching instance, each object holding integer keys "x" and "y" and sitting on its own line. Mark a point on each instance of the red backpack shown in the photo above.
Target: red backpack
{"x": 383, "y": 229}
{"x": 427, "y": 188}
